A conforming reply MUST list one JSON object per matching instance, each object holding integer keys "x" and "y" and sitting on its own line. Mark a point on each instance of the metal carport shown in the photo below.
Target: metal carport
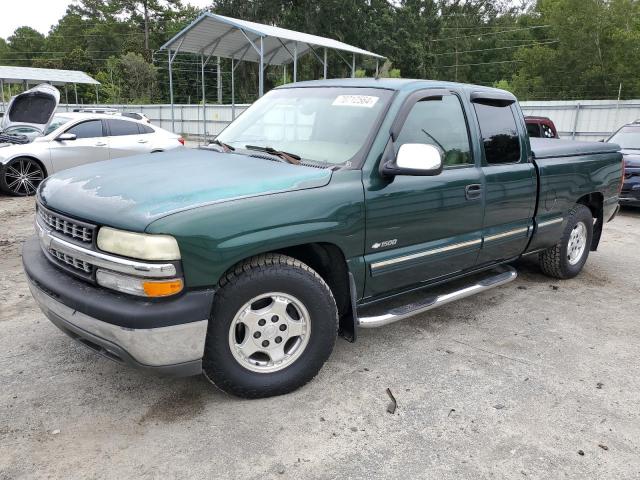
{"x": 241, "y": 40}
{"x": 25, "y": 75}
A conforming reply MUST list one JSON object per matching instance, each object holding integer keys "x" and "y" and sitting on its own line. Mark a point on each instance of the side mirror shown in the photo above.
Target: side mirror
{"x": 419, "y": 159}
{"x": 66, "y": 136}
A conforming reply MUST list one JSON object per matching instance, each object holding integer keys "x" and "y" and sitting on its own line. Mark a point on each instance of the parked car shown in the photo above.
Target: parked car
{"x": 326, "y": 202}
{"x": 541, "y": 127}
{"x": 35, "y": 142}
{"x": 628, "y": 137}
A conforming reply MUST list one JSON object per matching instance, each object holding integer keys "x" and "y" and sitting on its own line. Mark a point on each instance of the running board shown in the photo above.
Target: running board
{"x": 505, "y": 275}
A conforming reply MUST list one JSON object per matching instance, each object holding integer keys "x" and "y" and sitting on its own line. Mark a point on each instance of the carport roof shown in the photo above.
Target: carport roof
{"x": 228, "y": 37}
{"x": 49, "y": 75}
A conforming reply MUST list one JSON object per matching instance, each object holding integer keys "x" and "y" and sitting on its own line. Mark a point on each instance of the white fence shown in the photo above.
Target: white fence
{"x": 578, "y": 120}
{"x": 188, "y": 118}
{"x": 585, "y": 119}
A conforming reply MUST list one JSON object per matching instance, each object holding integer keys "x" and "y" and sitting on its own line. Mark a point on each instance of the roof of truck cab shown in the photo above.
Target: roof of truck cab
{"x": 392, "y": 84}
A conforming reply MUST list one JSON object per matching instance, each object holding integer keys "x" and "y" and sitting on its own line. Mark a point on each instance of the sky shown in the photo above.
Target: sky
{"x": 42, "y": 14}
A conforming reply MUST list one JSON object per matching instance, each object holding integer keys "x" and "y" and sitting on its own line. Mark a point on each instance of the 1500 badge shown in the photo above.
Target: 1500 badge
{"x": 386, "y": 243}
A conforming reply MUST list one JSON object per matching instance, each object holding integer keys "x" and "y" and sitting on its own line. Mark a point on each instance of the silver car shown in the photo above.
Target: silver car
{"x": 35, "y": 142}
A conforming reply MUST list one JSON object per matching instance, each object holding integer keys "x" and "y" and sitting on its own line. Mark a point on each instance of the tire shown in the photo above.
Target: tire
{"x": 21, "y": 177}
{"x": 292, "y": 298}
{"x": 566, "y": 258}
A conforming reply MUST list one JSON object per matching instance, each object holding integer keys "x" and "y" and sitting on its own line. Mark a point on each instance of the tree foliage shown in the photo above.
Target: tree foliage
{"x": 539, "y": 49}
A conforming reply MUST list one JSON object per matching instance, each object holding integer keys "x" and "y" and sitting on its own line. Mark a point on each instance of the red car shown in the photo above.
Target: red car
{"x": 541, "y": 127}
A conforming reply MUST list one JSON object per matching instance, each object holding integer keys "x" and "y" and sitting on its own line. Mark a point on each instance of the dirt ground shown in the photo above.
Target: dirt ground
{"x": 537, "y": 379}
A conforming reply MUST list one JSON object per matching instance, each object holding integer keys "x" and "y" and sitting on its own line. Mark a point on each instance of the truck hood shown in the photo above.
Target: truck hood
{"x": 33, "y": 108}
{"x": 132, "y": 192}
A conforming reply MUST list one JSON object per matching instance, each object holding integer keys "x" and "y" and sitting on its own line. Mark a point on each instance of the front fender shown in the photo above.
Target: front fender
{"x": 213, "y": 238}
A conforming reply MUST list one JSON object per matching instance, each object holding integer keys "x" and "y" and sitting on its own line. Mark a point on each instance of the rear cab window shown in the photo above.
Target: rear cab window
{"x": 499, "y": 130}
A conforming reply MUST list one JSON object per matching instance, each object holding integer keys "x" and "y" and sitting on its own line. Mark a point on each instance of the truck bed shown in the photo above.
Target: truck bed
{"x": 571, "y": 171}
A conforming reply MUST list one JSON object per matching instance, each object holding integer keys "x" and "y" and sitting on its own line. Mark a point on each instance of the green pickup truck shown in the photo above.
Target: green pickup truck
{"x": 325, "y": 207}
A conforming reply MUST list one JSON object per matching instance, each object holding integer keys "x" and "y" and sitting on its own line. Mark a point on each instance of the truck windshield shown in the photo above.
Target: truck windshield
{"x": 627, "y": 137}
{"x": 328, "y": 125}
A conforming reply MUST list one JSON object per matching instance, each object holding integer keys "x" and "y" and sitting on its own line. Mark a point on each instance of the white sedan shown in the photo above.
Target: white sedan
{"x": 35, "y": 143}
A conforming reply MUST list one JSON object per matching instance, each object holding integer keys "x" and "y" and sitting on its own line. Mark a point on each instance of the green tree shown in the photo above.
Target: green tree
{"x": 25, "y": 45}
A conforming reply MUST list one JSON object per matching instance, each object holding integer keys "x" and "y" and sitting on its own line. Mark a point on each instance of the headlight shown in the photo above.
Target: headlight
{"x": 138, "y": 245}
{"x": 143, "y": 287}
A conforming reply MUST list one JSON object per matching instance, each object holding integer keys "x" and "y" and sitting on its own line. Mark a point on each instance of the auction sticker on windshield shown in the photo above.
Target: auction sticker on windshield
{"x": 367, "y": 101}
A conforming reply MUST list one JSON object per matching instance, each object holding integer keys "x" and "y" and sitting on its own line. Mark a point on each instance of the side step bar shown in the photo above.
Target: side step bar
{"x": 505, "y": 275}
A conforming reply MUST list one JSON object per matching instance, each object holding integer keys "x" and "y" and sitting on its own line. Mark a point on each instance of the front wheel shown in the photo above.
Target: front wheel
{"x": 21, "y": 177}
{"x": 566, "y": 258}
{"x": 273, "y": 326}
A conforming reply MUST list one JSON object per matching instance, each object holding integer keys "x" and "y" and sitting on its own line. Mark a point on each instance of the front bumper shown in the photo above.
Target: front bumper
{"x": 165, "y": 335}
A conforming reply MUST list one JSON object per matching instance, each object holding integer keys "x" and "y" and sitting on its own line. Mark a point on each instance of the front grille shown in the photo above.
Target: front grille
{"x": 74, "y": 229}
{"x": 72, "y": 261}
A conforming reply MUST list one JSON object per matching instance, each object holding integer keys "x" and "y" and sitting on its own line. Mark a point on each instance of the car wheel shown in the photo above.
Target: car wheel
{"x": 21, "y": 177}
{"x": 568, "y": 256}
{"x": 273, "y": 326}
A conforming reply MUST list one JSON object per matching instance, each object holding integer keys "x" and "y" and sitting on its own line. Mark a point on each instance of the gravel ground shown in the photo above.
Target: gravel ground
{"x": 536, "y": 379}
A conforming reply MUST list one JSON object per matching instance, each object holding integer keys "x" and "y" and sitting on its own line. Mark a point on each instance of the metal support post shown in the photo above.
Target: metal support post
{"x": 353, "y": 65}
{"x": 219, "y": 71}
{"x": 173, "y": 119}
{"x": 325, "y": 65}
{"x": 261, "y": 72}
{"x": 204, "y": 102}
{"x": 233, "y": 89}
{"x": 295, "y": 62}
{"x": 575, "y": 122}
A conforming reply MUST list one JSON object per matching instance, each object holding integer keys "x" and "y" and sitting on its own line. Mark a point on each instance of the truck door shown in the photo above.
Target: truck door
{"x": 420, "y": 228}
{"x": 510, "y": 178}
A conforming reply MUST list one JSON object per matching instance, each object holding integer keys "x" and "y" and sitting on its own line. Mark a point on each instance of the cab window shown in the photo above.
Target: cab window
{"x": 440, "y": 122}
{"x": 88, "y": 129}
{"x": 499, "y": 133}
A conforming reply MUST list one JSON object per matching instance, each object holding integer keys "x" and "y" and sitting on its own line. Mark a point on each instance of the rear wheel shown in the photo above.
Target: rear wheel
{"x": 21, "y": 177}
{"x": 273, "y": 326}
{"x": 568, "y": 256}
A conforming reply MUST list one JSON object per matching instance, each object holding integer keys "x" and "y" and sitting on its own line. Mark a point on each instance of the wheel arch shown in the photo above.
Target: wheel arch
{"x": 594, "y": 201}
{"x": 30, "y": 157}
{"x": 329, "y": 261}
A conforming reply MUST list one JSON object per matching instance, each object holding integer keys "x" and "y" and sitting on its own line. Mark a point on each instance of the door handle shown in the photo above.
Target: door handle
{"x": 473, "y": 191}
{"x": 142, "y": 141}
{"x": 101, "y": 144}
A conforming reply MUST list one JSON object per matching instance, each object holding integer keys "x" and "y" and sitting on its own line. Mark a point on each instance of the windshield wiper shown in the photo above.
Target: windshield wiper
{"x": 286, "y": 156}
{"x": 225, "y": 147}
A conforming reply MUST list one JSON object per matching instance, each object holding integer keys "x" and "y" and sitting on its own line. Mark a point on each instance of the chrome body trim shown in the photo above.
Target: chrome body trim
{"x": 150, "y": 347}
{"x": 508, "y": 233}
{"x": 508, "y": 275}
{"x": 426, "y": 253}
{"x": 553, "y": 221}
{"x": 118, "y": 264}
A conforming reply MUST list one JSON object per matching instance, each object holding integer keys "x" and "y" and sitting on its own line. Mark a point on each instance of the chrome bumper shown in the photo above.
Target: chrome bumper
{"x": 176, "y": 349}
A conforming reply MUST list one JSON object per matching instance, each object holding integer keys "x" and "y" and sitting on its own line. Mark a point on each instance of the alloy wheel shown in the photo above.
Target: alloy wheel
{"x": 577, "y": 243}
{"x": 22, "y": 176}
{"x": 269, "y": 332}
